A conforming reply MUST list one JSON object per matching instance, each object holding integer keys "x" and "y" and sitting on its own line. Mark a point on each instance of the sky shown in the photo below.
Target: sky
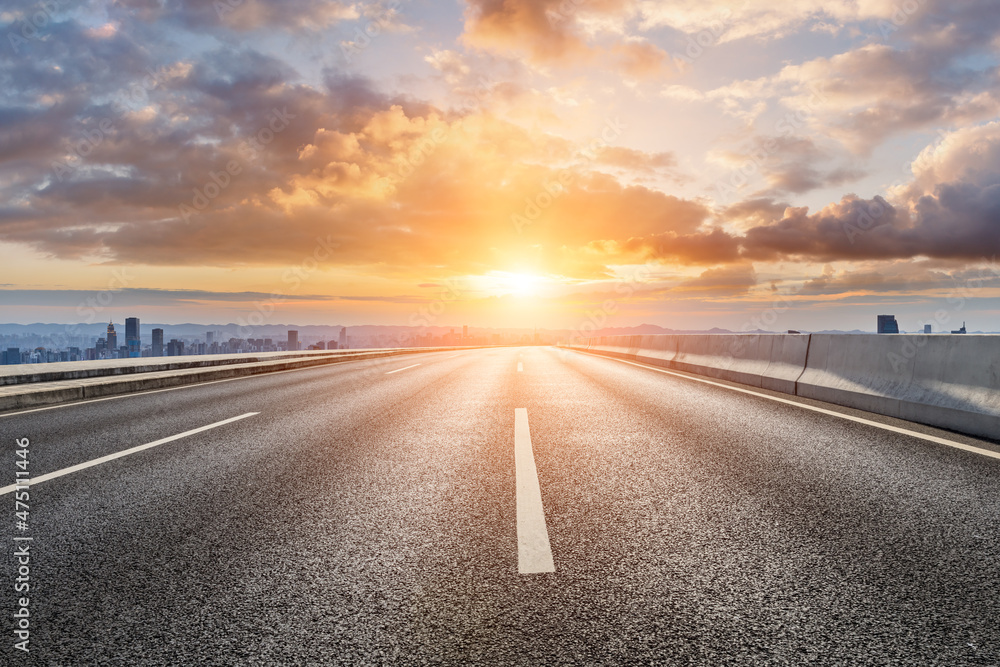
{"x": 804, "y": 164}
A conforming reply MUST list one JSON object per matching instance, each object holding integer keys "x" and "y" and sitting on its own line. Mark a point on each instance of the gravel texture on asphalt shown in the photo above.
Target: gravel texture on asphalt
{"x": 368, "y": 519}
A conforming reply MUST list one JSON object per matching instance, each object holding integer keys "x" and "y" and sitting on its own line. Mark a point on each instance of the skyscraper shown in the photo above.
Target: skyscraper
{"x": 887, "y": 324}
{"x": 343, "y": 338}
{"x": 132, "y": 338}
{"x": 157, "y": 342}
{"x": 293, "y": 340}
{"x": 112, "y": 340}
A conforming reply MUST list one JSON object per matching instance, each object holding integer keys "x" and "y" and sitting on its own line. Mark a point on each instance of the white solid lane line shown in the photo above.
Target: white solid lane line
{"x": 534, "y": 554}
{"x": 520, "y": 367}
{"x": 403, "y": 369}
{"x": 804, "y": 406}
{"x": 127, "y": 452}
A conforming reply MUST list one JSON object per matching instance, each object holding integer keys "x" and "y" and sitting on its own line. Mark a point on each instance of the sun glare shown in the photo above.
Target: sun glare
{"x": 503, "y": 283}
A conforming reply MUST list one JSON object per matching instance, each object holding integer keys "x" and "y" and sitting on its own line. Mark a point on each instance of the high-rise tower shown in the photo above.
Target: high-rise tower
{"x": 132, "y": 338}
{"x": 112, "y": 340}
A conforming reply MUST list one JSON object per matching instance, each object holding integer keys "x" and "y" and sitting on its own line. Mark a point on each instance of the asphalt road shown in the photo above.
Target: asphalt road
{"x": 365, "y": 516}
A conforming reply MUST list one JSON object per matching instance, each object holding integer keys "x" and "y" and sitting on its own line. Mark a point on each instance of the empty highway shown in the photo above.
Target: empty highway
{"x": 509, "y": 506}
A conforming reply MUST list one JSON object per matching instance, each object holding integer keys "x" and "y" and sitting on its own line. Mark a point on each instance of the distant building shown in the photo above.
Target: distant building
{"x": 12, "y": 357}
{"x": 343, "y": 338}
{"x": 175, "y": 348}
{"x": 132, "y": 339}
{"x": 962, "y": 330}
{"x": 293, "y": 340}
{"x": 887, "y": 324}
{"x": 465, "y": 331}
{"x": 928, "y": 329}
{"x": 112, "y": 340}
{"x": 157, "y": 342}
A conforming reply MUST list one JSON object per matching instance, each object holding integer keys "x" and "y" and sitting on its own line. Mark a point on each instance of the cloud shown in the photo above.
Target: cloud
{"x": 241, "y": 15}
{"x": 939, "y": 71}
{"x": 788, "y": 164}
{"x": 951, "y": 210}
{"x": 389, "y": 183}
{"x": 968, "y": 155}
{"x": 636, "y": 160}
{"x": 731, "y": 280}
{"x": 741, "y": 20}
{"x": 564, "y": 32}
{"x": 240, "y": 167}
{"x": 901, "y": 278}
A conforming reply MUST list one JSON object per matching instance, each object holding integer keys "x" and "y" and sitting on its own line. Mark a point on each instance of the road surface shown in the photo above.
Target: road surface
{"x": 515, "y": 506}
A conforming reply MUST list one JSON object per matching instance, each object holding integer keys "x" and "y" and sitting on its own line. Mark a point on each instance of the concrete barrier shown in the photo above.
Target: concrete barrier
{"x": 74, "y": 370}
{"x": 769, "y": 361}
{"x": 948, "y": 381}
{"x": 177, "y": 372}
{"x": 617, "y": 346}
{"x": 951, "y": 382}
{"x": 657, "y": 350}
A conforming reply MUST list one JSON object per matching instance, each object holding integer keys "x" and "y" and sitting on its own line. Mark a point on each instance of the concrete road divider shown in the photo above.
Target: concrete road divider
{"x": 951, "y": 382}
{"x": 93, "y": 379}
{"x": 76, "y": 370}
{"x": 947, "y": 381}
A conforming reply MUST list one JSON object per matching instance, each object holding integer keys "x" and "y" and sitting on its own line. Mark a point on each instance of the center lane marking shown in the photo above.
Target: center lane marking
{"x": 403, "y": 369}
{"x": 117, "y": 455}
{"x": 534, "y": 554}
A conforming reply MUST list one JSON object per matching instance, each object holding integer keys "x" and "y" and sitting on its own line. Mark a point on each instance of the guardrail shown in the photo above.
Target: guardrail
{"x": 951, "y": 382}
{"x": 74, "y": 370}
{"x": 83, "y": 380}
